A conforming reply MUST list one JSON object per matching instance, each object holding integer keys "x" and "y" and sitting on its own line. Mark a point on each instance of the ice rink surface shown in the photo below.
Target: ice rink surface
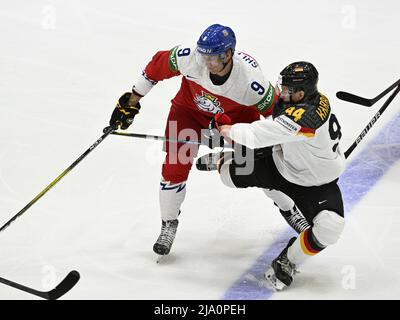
{"x": 63, "y": 65}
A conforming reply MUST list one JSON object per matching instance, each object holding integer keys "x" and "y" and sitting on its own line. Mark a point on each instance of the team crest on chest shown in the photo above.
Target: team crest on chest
{"x": 208, "y": 103}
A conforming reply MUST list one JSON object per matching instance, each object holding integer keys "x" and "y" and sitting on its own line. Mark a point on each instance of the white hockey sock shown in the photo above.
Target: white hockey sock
{"x": 326, "y": 230}
{"x": 171, "y": 197}
{"x": 305, "y": 246}
{"x": 283, "y": 201}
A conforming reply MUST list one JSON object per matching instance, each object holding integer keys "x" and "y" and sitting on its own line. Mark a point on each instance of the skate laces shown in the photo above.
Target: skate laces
{"x": 168, "y": 231}
{"x": 286, "y": 266}
{"x": 297, "y": 220}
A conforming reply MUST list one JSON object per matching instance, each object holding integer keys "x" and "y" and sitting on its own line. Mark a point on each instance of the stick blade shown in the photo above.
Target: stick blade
{"x": 349, "y": 97}
{"x": 64, "y": 286}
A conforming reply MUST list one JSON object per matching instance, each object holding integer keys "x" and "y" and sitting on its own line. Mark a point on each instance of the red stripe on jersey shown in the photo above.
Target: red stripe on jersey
{"x": 307, "y": 132}
{"x": 158, "y": 68}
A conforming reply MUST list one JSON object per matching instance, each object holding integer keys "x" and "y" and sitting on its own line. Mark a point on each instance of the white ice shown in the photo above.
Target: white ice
{"x": 63, "y": 64}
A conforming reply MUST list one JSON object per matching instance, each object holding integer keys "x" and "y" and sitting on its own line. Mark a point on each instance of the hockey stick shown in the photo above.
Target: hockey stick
{"x": 372, "y": 122}
{"x": 62, "y": 175}
{"x": 162, "y": 138}
{"x": 364, "y": 101}
{"x": 63, "y": 287}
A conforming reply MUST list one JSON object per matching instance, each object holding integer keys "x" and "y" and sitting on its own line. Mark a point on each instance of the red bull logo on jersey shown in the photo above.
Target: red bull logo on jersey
{"x": 208, "y": 103}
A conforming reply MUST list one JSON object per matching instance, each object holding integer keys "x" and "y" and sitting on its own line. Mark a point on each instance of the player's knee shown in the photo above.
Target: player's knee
{"x": 175, "y": 173}
{"x": 224, "y": 172}
{"x": 174, "y": 178}
{"x": 283, "y": 201}
{"x": 328, "y": 226}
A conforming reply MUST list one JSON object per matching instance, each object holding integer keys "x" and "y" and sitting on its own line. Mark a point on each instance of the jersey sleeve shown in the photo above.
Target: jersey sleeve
{"x": 162, "y": 66}
{"x": 267, "y": 102}
{"x": 307, "y": 117}
{"x": 290, "y": 122}
{"x": 262, "y": 133}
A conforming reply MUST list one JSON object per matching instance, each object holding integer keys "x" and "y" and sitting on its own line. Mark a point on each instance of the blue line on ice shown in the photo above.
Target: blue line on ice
{"x": 361, "y": 175}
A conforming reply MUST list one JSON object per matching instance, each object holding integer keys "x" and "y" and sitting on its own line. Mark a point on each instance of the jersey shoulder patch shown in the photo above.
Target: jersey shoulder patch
{"x": 180, "y": 57}
{"x": 172, "y": 61}
{"x": 267, "y": 99}
{"x": 311, "y": 114}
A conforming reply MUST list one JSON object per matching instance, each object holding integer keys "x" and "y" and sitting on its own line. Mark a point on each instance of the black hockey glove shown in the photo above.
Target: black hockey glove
{"x": 124, "y": 114}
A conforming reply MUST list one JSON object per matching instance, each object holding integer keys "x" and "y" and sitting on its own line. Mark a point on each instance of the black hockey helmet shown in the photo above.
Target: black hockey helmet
{"x": 300, "y": 75}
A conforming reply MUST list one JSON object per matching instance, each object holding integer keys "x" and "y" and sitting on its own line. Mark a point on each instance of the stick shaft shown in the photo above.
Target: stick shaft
{"x": 349, "y": 97}
{"x": 56, "y": 180}
{"x": 371, "y": 123}
{"x": 162, "y": 138}
{"x": 378, "y": 97}
{"x": 154, "y": 137}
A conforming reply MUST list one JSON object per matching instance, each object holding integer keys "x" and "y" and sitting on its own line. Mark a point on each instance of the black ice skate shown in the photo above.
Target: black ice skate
{"x": 209, "y": 162}
{"x": 281, "y": 272}
{"x": 166, "y": 238}
{"x": 295, "y": 219}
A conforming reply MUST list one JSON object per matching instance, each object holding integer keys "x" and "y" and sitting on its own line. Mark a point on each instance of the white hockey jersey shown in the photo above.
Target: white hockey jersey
{"x": 305, "y": 139}
{"x": 245, "y": 87}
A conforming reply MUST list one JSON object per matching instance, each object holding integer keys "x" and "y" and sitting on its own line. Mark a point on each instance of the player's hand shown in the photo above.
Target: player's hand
{"x": 125, "y": 111}
{"x": 219, "y": 120}
{"x": 215, "y": 139}
{"x": 224, "y": 131}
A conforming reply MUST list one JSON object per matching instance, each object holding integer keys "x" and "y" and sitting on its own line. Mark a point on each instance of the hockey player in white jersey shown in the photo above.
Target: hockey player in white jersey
{"x": 216, "y": 79}
{"x": 304, "y": 163}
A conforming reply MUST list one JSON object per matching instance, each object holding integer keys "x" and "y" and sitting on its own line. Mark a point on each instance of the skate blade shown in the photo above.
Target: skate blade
{"x": 161, "y": 258}
{"x": 273, "y": 281}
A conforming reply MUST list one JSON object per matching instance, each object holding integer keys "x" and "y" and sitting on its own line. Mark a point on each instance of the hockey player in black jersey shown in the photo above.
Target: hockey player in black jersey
{"x": 303, "y": 165}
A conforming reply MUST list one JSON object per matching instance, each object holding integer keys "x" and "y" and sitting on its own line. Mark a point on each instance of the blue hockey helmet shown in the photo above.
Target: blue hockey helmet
{"x": 216, "y": 39}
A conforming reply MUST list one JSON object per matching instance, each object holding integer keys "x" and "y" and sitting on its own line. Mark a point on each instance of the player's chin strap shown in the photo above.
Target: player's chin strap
{"x": 224, "y": 64}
